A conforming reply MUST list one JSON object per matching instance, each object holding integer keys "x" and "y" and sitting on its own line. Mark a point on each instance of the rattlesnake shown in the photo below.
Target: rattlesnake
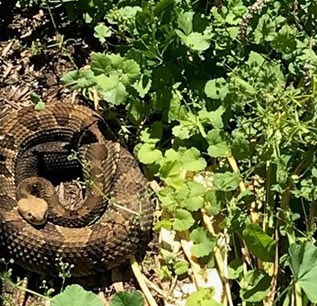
{"x": 116, "y": 216}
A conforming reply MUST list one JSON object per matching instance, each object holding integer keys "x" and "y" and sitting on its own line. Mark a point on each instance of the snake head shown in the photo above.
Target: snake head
{"x": 34, "y": 210}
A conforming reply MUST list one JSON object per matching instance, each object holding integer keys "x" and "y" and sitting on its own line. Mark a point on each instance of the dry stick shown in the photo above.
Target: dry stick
{"x": 312, "y": 214}
{"x": 270, "y": 298}
{"x": 199, "y": 282}
{"x": 140, "y": 278}
{"x": 222, "y": 263}
{"x": 156, "y": 288}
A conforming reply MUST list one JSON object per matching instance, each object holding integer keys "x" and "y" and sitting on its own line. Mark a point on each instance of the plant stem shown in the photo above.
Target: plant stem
{"x": 140, "y": 279}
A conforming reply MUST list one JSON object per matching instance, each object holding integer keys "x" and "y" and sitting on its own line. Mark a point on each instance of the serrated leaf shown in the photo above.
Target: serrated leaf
{"x": 126, "y": 298}
{"x": 195, "y": 41}
{"x": 86, "y": 80}
{"x": 227, "y": 181}
{"x": 181, "y": 267}
{"x": 191, "y": 160}
{"x": 203, "y": 242}
{"x": 193, "y": 203}
{"x": 259, "y": 243}
{"x": 143, "y": 85}
{"x": 102, "y": 31}
{"x": 213, "y": 117}
{"x": 131, "y": 71}
{"x": 183, "y": 220}
{"x": 185, "y": 22}
{"x": 75, "y": 295}
{"x": 111, "y": 89}
{"x": 182, "y": 131}
{"x": 100, "y": 63}
{"x": 70, "y": 78}
{"x": 147, "y": 154}
{"x": 217, "y": 88}
{"x": 303, "y": 263}
{"x": 202, "y": 297}
{"x": 218, "y": 145}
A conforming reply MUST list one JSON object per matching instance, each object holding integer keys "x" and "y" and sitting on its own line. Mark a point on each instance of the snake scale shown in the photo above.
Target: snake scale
{"x": 113, "y": 222}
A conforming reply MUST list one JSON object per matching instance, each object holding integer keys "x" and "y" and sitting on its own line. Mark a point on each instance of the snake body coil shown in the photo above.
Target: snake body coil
{"x": 97, "y": 236}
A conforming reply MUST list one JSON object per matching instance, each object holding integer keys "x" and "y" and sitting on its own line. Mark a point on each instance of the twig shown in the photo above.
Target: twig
{"x": 222, "y": 263}
{"x": 186, "y": 245}
{"x": 270, "y": 298}
{"x": 140, "y": 278}
{"x": 156, "y": 288}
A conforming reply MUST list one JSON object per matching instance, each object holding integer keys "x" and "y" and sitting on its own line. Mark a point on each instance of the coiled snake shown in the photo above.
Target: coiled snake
{"x": 36, "y": 230}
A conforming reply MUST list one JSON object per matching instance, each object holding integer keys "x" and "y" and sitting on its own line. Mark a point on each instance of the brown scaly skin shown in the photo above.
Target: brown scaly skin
{"x": 93, "y": 248}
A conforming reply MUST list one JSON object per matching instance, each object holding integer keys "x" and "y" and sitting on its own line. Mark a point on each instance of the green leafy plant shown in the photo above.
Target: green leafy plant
{"x": 75, "y": 295}
{"x": 227, "y": 124}
{"x": 218, "y": 101}
{"x": 126, "y": 298}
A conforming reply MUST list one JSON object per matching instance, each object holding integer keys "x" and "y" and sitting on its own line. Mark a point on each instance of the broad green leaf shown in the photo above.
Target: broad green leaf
{"x": 259, "y": 243}
{"x": 75, "y": 295}
{"x": 176, "y": 110}
{"x": 203, "y": 242}
{"x": 218, "y": 145}
{"x": 226, "y": 181}
{"x": 255, "y": 286}
{"x": 170, "y": 171}
{"x": 191, "y": 160}
{"x": 185, "y": 22}
{"x": 131, "y": 71}
{"x": 181, "y": 267}
{"x": 126, "y": 298}
{"x": 195, "y": 41}
{"x": 202, "y": 297}
{"x": 190, "y": 196}
{"x": 102, "y": 32}
{"x": 111, "y": 89}
{"x": 100, "y": 63}
{"x": 116, "y": 61}
{"x": 143, "y": 85}
{"x": 86, "y": 80}
{"x": 235, "y": 268}
{"x": 183, "y": 130}
{"x": 303, "y": 262}
{"x": 70, "y": 78}
{"x": 213, "y": 201}
{"x": 193, "y": 203}
{"x": 147, "y": 154}
{"x": 167, "y": 224}
{"x": 183, "y": 220}
{"x": 213, "y": 117}
{"x": 152, "y": 134}
{"x": 217, "y": 88}
{"x": 285, "y": 40}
